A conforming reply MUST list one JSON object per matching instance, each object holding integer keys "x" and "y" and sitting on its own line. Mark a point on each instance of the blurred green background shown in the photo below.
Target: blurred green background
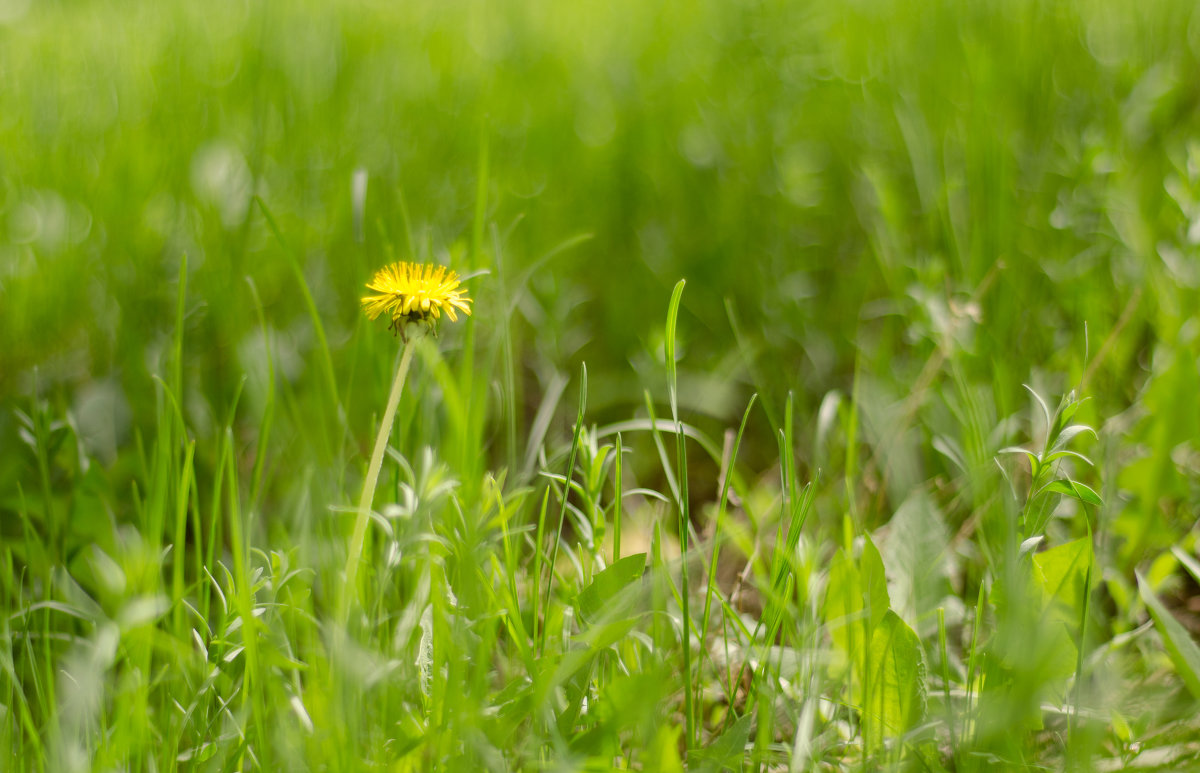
{"x": 893, "y": 214}
{"x": 933, "y": 196}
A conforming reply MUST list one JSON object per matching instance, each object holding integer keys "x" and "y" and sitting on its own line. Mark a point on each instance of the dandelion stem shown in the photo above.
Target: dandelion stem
{"x": 358, "y": 537}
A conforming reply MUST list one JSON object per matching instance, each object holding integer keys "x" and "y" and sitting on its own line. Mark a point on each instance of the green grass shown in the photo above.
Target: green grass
{"x": 905, "y": 478}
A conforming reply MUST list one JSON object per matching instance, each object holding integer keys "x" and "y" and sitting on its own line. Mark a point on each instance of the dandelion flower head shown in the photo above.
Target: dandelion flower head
{"x": 417, "y": 292}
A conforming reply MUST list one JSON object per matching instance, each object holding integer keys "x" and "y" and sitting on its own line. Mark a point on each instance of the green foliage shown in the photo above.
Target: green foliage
{"x": 813, "y": 521}
{"x": 1046, "y": 474}
{"x": 894, "y": 696}
{"x": 1185, "y": 655}
{"x": 886, "y": 665}
{"x": 1061, "y": 575}
{"x": 597, "y": 597}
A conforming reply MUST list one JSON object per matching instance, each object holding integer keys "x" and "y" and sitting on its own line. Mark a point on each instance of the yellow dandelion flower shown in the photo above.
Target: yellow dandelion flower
{"x": 415, "y": 292}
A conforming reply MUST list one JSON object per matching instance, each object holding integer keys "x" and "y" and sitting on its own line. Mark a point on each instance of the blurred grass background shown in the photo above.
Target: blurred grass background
{"x": 860, "y": 187}
{"x": 911, "y": 207}
{"x": 846, "y": 175}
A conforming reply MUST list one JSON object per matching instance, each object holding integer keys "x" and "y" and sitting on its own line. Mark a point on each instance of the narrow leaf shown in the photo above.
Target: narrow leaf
{"x": 669, "y": 342}
{"x": 1069, "y": 433}
{"x": 607, "y": 584}
{"x": 1073, "y": 488}
{"x": 1189, "y": 563}
{"x": 1042, "y": 403}
{"x": 1182, "y": 650}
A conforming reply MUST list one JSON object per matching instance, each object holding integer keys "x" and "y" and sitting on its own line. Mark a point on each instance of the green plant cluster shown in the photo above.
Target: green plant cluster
{"x": 832, "y": 514}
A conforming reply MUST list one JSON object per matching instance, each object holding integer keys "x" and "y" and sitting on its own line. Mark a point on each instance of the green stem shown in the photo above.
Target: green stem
{"x": 941, "y": 620}
{"x": 358, "y": 537}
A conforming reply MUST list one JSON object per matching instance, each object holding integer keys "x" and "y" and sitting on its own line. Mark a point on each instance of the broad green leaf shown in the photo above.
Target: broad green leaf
{"x": 895, "y": 694}
{"x": 875, "y": 592}
{"x": 1040, "y": 610}
{"x": 1182, "y": 650}
{"x": 1054, "y": 654}
{"x": 1061, "y": 573}
{"x": 915, "y": 557}
{"x": 664, "y": 751}
{"x": 595, "y": 639}
{"x": 608, "y": 583}
{"x": 844, "y": 609}
{"x": 727, "y": 752}
{"x": 856, "y": 600}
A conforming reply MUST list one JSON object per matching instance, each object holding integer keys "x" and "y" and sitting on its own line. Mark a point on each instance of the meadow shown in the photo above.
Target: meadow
{"x": 830, "y": 397}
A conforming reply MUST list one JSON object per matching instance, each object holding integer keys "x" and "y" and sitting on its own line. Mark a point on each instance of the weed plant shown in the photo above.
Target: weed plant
{"x": 902, "y": 474}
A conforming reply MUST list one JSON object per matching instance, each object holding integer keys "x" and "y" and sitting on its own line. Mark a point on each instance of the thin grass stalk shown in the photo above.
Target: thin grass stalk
{"x": 183, "y": 498}
{"x": 1080, "y": 644}
{"x": 685, "y": 600}
{"x": 723, "y": 502}
{"x": 975, "y": 629}
{"x": 538, "y": 560}
{"x": 362, "y": 516}
{"x": 943, "y": 650}
{"x": 682, "y": 509}
{"x": 562, "y": 512}
{"x": 618, "y": 489}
